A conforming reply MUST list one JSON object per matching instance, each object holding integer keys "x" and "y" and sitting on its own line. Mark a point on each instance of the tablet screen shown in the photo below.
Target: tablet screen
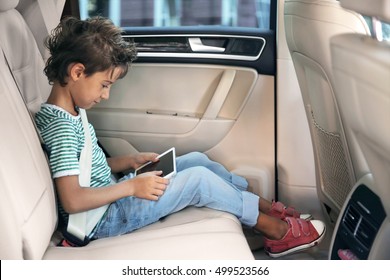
{"x": 166, "y": 163}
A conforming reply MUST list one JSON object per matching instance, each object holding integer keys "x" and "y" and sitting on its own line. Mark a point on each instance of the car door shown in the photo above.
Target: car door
{"x": 207, "y": 88}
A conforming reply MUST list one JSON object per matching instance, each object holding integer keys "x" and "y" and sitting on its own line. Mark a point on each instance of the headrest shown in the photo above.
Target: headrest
{"x": 373, "y": 8}
{"x": 6, "y": 5}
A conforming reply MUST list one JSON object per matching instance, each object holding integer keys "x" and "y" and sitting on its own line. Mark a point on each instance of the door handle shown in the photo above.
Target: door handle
{"x": 197, "y": 46}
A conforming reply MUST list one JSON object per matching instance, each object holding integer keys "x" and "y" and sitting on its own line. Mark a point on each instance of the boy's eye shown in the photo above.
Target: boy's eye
{"x": 105, "y": 86}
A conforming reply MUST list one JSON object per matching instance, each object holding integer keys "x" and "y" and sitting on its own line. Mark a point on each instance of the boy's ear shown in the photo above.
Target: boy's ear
{"x": 76, "y": 70}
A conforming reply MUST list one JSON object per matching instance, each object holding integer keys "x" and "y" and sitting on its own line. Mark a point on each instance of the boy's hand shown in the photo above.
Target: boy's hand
{"x": 126, "y": 162}
{"x": 149, "y": 185}
{"x": 142, "y": 158}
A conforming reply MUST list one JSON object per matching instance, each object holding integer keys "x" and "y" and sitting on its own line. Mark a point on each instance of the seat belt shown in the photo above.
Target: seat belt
{"x": 81, "y": 224}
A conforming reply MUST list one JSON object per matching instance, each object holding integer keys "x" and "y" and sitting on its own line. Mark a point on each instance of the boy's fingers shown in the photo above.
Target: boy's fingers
{"x": 159, "y": 193}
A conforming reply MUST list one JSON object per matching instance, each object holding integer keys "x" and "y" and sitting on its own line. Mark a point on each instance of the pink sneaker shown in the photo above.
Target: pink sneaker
{"x": 300, "y": 235}
{"x": 278, "y": 210}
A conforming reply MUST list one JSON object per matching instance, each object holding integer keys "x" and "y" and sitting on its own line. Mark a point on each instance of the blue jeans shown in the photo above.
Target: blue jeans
{"x": 199, "y": 182}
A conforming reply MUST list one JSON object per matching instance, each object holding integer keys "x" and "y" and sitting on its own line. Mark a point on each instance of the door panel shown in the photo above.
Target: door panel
{"x": 242, "y": 47}
{"x": 228, "y": 47}
{"x": 174, "y": 104}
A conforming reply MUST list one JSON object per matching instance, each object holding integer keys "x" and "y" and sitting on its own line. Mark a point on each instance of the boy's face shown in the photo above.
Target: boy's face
{"x": 90, "y": 90}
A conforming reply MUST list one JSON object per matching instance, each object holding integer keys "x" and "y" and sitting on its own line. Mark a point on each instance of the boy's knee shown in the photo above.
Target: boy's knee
{"x": 192, "y": 179}
{"x": 198, "y": 175}
{"x": 199, "y": 157}
{"x": 199, "y": 171}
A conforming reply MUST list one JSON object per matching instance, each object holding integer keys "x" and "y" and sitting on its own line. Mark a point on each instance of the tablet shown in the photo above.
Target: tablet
{"x": 166, "y": 164}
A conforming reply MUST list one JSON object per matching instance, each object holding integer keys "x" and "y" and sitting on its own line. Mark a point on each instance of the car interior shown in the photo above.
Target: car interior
{"x": 299, "y": 107}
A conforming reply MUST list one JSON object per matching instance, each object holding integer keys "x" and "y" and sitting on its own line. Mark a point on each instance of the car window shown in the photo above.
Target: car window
{"x": 386, "y": 31}
{"x": 176, "y": 13}
{"x": 385, "y": 28}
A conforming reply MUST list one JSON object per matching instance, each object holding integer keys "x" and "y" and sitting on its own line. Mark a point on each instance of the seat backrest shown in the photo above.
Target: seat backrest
{"x": 28, "y": 213}
{"x": 309, "y": 25}
{"x": 41, "y": 16}
{"x": 24, "y": 57}
{"x": 361, "y": 65}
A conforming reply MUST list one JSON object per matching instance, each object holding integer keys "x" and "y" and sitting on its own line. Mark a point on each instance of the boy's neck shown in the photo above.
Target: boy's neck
{"x": 61, "y": 97}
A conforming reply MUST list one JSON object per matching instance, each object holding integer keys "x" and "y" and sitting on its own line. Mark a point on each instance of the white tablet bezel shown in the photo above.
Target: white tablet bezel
{"x": 172, "y": 173}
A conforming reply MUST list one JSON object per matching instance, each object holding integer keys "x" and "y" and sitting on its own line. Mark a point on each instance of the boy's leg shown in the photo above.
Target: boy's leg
{"x": 200, "y": 159}
{"x": 271, "y": 227}
{"x": 196, "y": 186}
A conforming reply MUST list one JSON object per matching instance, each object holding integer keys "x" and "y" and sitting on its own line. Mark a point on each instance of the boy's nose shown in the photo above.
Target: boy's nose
{"x": 106, "y": 95}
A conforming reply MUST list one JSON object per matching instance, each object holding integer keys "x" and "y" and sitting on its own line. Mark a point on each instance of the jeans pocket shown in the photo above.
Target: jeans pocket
{"x": 112, "y": 225}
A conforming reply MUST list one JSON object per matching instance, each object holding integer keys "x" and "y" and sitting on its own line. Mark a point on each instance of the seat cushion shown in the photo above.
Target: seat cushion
{"x": 193, "y": 233}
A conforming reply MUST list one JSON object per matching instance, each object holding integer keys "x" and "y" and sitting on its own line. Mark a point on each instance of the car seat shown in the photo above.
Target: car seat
{"x": 309, "y": 25}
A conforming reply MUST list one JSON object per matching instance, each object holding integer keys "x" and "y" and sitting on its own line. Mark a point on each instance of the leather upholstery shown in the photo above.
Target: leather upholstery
{"x": 24, "y": 58}
{"x": 8, "y": 5}
{"x": 372, "y": 8}
{"x": 362, "y": 70}
{"x": 309, "y": 26}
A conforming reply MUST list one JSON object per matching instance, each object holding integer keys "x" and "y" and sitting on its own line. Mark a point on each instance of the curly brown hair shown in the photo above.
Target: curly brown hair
{"x": 96, "y": 43}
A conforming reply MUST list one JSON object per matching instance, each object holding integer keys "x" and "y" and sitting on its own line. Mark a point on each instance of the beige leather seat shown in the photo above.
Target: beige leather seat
{"x": 25, "y": 60}
{"x": 361, "y": 66}
{"x": 309, "y": 26}
{"x": 28, "y": 214}
{"x": 35, "y": 13}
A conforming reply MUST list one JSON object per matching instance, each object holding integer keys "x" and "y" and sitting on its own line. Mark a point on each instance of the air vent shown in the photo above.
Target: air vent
{"x": 366, "y": 233}
{"x": 351, "y": 218}
{"x": 359, "y": 226}
{"x": 361, "y": 221}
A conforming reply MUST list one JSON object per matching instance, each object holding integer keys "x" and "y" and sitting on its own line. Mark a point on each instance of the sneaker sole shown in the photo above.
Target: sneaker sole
{"x": 298, "y": 248}
{"x": 306, "y": 217}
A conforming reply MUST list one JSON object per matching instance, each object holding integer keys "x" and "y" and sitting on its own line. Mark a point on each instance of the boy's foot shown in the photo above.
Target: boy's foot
{"x": 278, "y": 210}
{"x": 300, "y": 235}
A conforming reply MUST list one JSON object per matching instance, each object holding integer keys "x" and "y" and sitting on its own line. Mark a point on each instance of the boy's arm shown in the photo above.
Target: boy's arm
{"x": 75, "y": 198}
{"x": 122, "y": 163}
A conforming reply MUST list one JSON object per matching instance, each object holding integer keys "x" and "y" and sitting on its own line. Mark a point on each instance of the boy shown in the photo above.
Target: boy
{"x": 87, "y": 57}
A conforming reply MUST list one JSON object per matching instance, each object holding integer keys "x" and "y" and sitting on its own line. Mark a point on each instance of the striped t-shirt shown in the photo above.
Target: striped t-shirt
{"x": 63, "y": 135}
